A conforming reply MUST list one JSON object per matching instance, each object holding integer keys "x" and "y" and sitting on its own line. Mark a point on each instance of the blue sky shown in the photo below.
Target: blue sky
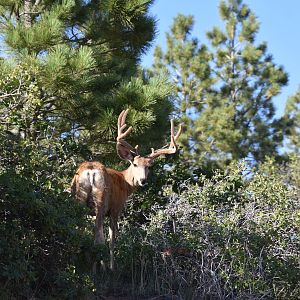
{"x": 279, "y": 27}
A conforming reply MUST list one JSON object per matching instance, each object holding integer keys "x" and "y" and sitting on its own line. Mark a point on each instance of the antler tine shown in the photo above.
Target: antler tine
{"x": 172, "y": 127}
{"x": 178, "y": 132}
{"x": 170, "y": 148}
{"x": 122, "y": 116}
{"x": 122, "y": 145}
{"x": 122, "y": 125}
{"x": 173, "y": 138}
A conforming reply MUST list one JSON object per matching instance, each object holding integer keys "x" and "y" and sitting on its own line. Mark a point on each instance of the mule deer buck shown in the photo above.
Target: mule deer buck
{"x": 106, "y": 190}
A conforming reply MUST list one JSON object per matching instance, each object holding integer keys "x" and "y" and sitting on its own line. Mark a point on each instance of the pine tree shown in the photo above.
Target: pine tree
{"x": 186, "y": 63}
{"x": 233, "y": 113}
{"x": 292, "y": 117}
{"x": 247, "y": 80}
{"x": 72, "y": 62}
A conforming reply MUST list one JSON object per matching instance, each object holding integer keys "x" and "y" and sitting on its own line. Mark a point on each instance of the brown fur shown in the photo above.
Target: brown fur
{"x": 105, "y": 191}
{"x": 117, "y": 189}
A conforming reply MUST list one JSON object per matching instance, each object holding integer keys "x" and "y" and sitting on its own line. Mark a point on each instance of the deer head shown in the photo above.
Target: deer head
{"x": 139, "y": 165}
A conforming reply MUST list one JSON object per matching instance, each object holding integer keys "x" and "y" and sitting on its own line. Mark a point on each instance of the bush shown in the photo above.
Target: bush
{"x": 46, "y": 244}
{"x": 233, "y": 235}
{"x": 225, "y": 237}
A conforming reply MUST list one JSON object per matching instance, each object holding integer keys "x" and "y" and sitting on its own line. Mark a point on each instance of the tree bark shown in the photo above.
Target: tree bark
{"x": 27, "y": 13}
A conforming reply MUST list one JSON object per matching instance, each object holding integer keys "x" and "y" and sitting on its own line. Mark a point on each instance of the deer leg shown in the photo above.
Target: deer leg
{"x": 99, "y": 234}
{"x": 99, "y": 237}
{"x": 112, "y": 237}
{"x": 99, "y": 201}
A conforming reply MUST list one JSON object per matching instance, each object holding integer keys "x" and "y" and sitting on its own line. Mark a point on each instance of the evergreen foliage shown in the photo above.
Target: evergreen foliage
{"x": 292, "y": 117}
{"x": 79, "y": 57}
{"x": 186, "y": 62}
{"x": 224, "y": 90}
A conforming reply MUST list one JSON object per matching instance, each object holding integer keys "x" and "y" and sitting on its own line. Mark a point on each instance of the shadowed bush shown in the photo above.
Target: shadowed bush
{"x": 46, "y": 244}
{"x": 226, "y": 237}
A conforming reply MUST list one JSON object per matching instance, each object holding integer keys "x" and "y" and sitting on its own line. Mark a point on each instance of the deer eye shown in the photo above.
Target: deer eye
{"x": 135, "y": 165}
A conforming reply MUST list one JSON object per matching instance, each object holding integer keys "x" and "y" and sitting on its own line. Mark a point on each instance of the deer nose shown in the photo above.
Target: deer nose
{"x": 143, "y": 181}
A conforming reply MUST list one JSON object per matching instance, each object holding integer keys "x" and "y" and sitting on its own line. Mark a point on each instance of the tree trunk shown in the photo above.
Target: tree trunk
{"x": 27, "y": 13}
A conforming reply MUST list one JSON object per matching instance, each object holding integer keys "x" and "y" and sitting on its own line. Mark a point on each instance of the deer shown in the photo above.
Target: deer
{"x": 106, "y": 190}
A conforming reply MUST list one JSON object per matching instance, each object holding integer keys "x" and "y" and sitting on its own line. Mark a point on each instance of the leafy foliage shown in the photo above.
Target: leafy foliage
{"x": 46, "y": 238}
{"x": 224, "y": 237}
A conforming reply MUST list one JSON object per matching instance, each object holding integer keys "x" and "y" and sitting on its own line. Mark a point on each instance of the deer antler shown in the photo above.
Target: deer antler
{"x": 170, "y": 148}
{"x": 124, "y": 149}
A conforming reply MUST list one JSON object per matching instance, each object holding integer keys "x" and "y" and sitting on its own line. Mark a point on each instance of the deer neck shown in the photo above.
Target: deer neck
{"x": 128, "y": 176}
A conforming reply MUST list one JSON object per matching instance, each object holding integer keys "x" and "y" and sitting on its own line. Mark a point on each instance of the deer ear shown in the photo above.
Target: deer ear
{"x": 125, "y": 153}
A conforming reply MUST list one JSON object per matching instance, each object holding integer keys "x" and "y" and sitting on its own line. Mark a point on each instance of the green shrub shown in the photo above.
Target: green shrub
{"x": 234, "y": 235}
{"x": 46, "y": 240}
{"x": 230, "y": 236}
